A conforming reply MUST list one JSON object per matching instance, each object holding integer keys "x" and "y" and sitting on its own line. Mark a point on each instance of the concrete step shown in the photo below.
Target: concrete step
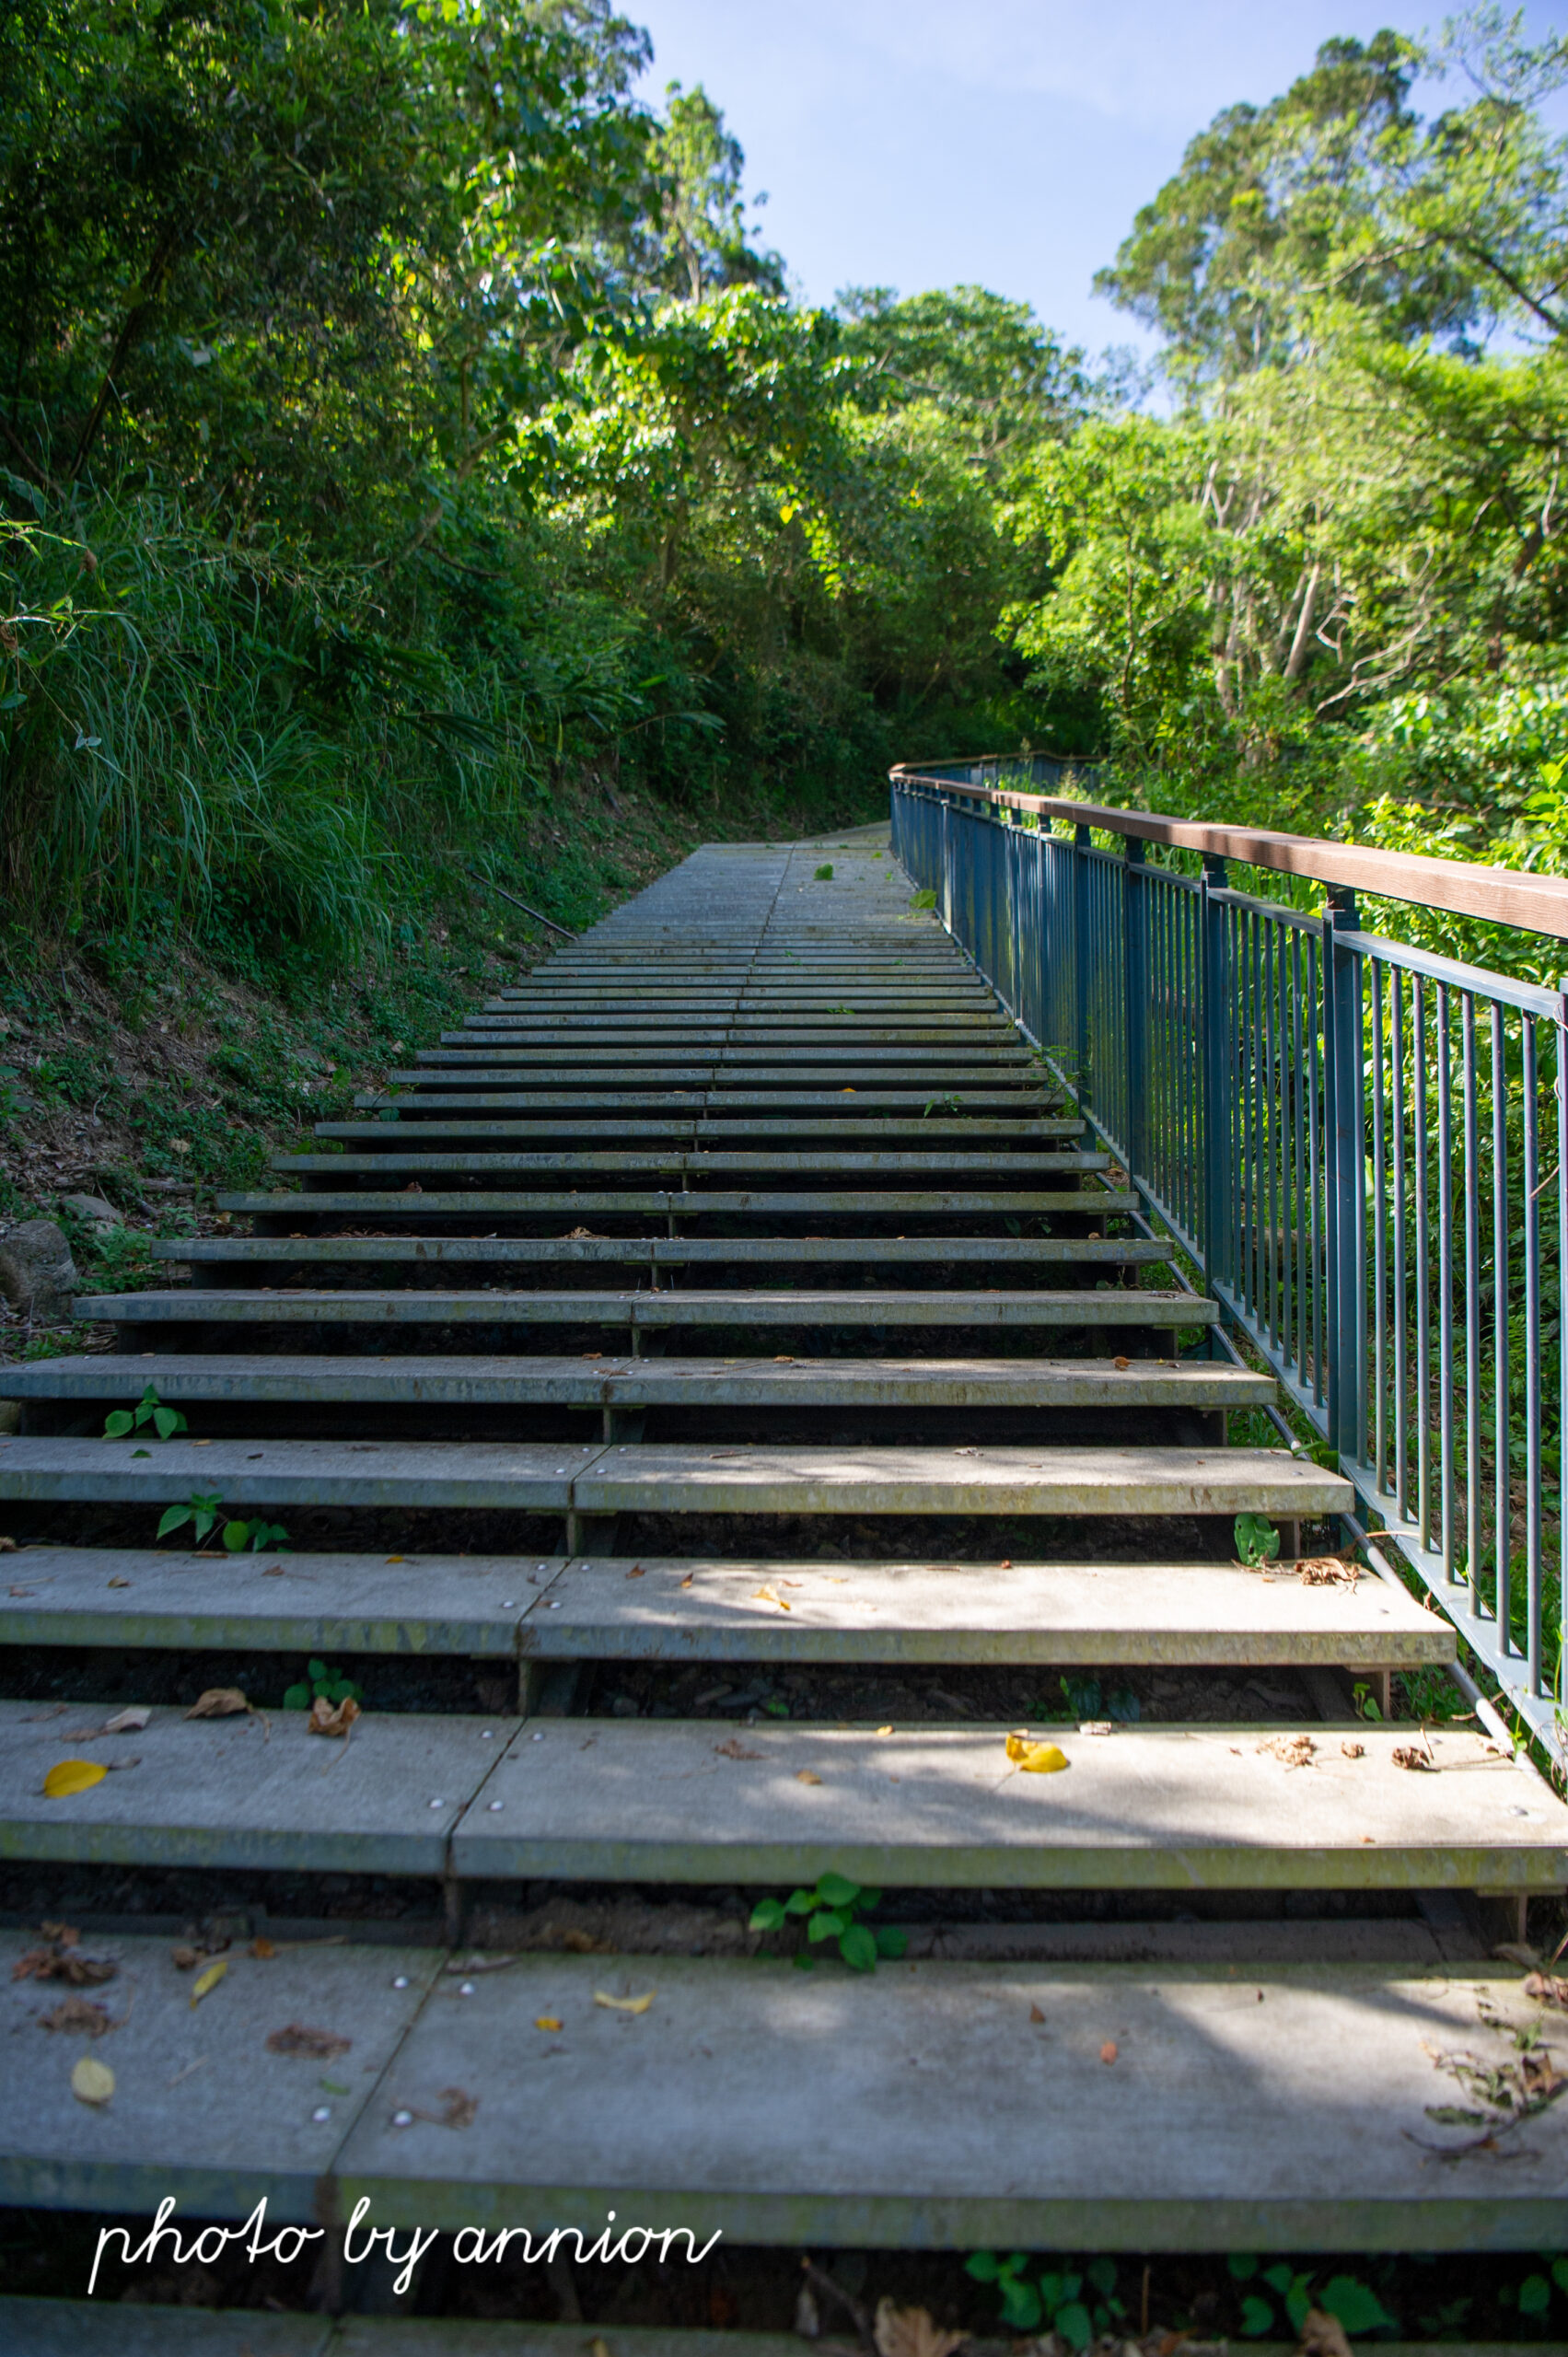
{"x": 1009, "y": 1073}
{"x": 603, "y": 1479}
{"x": 699, "y": 1130}
{"x": 661, "y": 1254}
{"x": 690, "y": 1608}
{"x": 701, "y": 1167}
{"x": 240, "y": 1378}
{"x": 926, "y": 2105}
{"x": 649, "y": 1312}
{"x": 427, "y": 1095}
{"x": 474, "y": 1203}
{"x": 1211, "y": 1808}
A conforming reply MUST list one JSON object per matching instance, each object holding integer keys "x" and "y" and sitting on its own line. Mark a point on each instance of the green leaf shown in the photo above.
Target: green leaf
{"x": 776, "y": 1708}
{"x": 235, "y": 1536}
{"x": 858, "y": 1949}
{"x": 317, "y": 1669}
{"x": 835, "y": 1892}
{"x": 173, "y": 1518}
{"x": 1074, "y": 2324}
{"x": 1279, "y": 2278}
{"x": 823, "y": 875}
{"x": 1256, "y": 2317}
{"x": 890, "y": 1942}
{"x": 1560, "y": 2273}
{"x": 1358, "y": 2306}
{"x": 1535, "y": 2296}
{"x": 1020, "y": 2306}
{"x": 982, "y": 2267}
{"x": 800, "y": 1902}
{"x": 1256, "y": 1540}
{"x": 169, "y": 1421}
{"x": 768, "y": 1915}
{"x": 342, "y": 1689}
{"x": 1101, "y": 2273}
{"x": 297, "y": 1698}
{"x": 1243, "y": 2265}
{"x": 867, "y": 1899}
{"x": 118, "y": 1423}
{"x": 826, "y": 1924}
{"x": 924, "y": 900}
{"x": 803, "y": 1962}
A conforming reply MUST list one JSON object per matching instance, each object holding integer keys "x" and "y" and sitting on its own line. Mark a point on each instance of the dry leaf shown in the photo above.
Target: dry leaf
{"x": 783, "y": 1362}
{"x": 687, "y": 1581}
{"x": 1353, "y": 1751}
{"x": 128, "y": 1722}
{"x": 1035, "y": 1759}
{"x": 735, "y": 1750}
{"x": 460, "y": 2108}
{"x": 79, "y": 2015}
{"x": 1546, "y": 1989}
{"x": 1410, "y": 1754}
{"x": 766, "y": 1596}
{"x": 331, "y": 1718}
{"x": 320, "y": 2044}
{"x": 547, "y": 2021}
{"x": 218, "y": 1703}
{"x": 807, "y": 1776}
{"x": 397, "y": 1558}
{"x": 1109, "y": 2050}
{"x": 208, "y": 1980}
{"x": 910, "y": 2332}
{"x": 883, "y": 1730}
{"x": 263, "y": 1950}
{"x": 1323, "y": 2336}
{"x": 1295, "y": 1750}
{"x": 1327, "y": 1571}
{"x": 1035, "y": 2014}
{"x": 92, "y": 2081}
{"x": 118, "y": 1582}
{"x": 1121, "y": 1365}
{"x": 8, "y": 1546}
{"x": 69, "y": 1776}
{"x": 626, "y": 2004}
{"x": 636, "y": 1572}
{"x": 63, "y": 1960}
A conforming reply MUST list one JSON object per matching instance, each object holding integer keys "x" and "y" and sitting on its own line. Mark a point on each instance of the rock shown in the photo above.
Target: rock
{"x": 38, "y": 1275}
{"x": 93, "y": 1209}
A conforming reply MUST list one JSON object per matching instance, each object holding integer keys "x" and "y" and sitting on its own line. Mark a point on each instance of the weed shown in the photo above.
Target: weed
{"x": 1057, "y": 2301}
{"x": 1256, "y": 1540}
{"x": 201, "y": 1509}
{"x": 1366, "y": 1702}
{"x": 1355, "y": 2303}
{"x": 832, "y": 1911}
{"x": 149, "y": 1409}
{"x": 823, "y": 875}
{"x": 320, "y": 1680}
{"x": 1085, "y": 1699}
{"x": 924, "y": 900}
{"x": 257, "y": 1536}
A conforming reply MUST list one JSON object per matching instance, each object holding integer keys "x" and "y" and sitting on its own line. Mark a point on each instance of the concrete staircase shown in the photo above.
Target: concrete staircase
{"x": 734, "y": 1295}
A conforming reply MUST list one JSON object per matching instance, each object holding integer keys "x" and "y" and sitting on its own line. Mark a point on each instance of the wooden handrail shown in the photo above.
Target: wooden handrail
{"x": 1497, "y": 894}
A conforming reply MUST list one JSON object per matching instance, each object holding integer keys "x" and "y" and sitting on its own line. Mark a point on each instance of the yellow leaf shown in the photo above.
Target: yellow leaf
{"x": 807, "y": 1776}
{"x": 397, "y": 1558}
{"x": 206, "y": 1981}
{"x": 69, "y": 1776}
{"x": 91, "y": 2081}
{"x": 883, "y": 1730}
{"x": 1042, "y": 1759}
{"x": 626, "y": 2004}
{"x": 547, "y": 2021}
{"x": 766, "y": 1596}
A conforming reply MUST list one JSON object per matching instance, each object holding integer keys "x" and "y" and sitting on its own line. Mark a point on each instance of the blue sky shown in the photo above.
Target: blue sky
{"x": 913, "y": 144}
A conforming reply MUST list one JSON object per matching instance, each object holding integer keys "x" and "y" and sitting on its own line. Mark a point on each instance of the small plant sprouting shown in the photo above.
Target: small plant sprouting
{"x": 943, "y": 1104}
{"x": 924, "y": 900}
{"x": 1087, "y": 1698}
{"x": 203, "y": 1510}
{"x": 1355, "y": 2303}
{"x": 237, "y": 1535}
{"x": 149, "y": 1409}
{"x": 823, "y": 875}
{"x": 832, "y": 1911}
{"x": 1060, "y": 2302}
{"x": 1366, "y": 1702}
{"x": 1256, "y": 1540}
{"x": 320, "y": 1680}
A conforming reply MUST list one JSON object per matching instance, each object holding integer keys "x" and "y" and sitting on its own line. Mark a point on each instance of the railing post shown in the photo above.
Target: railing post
{"x": 1081, "y": 958}
{"x": 1216, "y": 1071}
{"x": 1135, "y": 968}
{"x": 1346, "y": 1206}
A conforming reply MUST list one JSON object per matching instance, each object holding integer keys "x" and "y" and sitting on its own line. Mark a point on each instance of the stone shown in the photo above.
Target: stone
{"x": 38, "y": 1275}
{"x": 93, "y": 1209}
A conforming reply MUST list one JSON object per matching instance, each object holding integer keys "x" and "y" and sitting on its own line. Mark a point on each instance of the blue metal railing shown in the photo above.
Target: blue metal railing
{"x": 1363, "y": 1146}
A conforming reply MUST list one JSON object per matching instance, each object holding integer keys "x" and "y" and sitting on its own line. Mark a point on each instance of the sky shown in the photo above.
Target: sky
{"x": 924, "y": 143}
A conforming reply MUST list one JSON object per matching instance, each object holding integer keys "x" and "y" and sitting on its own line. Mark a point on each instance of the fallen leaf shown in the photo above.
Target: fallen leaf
{"x": 1122, "y": 1364}
{"x": 129, "y": 1720}
{"x": 807, "y": 1776}
{"x": 118, "y": 1582}
{"x": 583, "y": 1943}
{"x": 1323, "y": 2336}
{"x": 263, "y": 1950}
{"x": 1035, "y": 2014}
{"x": 766, "y": 1596}
{"x": 734, "y": 1750}
{"x": 218, "y": 1703}
{"x": 1327, "y": 1571}
{"x": 626, "y": 2004}
{"x": 883, "y": 1730}
{"x": 297, "y": 2038}
{"x": 397, "y": 1558}
{"x": 329, "y": 1718}
{"x": 92, "y": 2081}
{"x": 781, "y": 1360}
{"x": 69, "y": 1776}
{"x": 79, "y": 2015}
{"x": 1410, "y": 1754}
{"x": 1006, "y": 1563}
{"x": 273, "y": 1572}
{"x": 1108, "y": 2051}
{"x": 547, "y": 2021}
{"x": 910, "y": 2332}
{"x": 8, "y": 1546}
{"x": 687, "y": 1581}
{"x": 1546, "y": 1989}
{"x": 636, "y": 1572}
{"x": 63, "y": 1960}
{"x": 207, "y": 1982}
{"x": 1353, "y": 1751}
{"x": 1035, "y": 1759}
{"x": 1295, "y": 1750}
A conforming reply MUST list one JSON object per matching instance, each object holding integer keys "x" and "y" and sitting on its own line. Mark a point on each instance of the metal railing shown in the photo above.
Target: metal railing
{"x": 1362, "y": 1146}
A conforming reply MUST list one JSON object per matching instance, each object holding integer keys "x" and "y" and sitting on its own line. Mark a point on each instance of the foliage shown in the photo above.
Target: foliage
{"x": 831, "y": 1910}
{"x": 1256, "y": 1540}
{"x": 320, "y": 1680}
{"x": 165, "y": 1422}
{"x": 1079, "y": 2304}
{"x": 1355, "y": 2303}
{"x": 202, "y": 1508}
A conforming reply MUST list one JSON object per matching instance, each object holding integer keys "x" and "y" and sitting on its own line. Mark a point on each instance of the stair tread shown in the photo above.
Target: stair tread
{"x": 956, "y": 2119}
{"x": 644, "y": 1308}
{"x": 475, "y": 1203}
{"x": 606, "y": 1478}
{"x": 699, "y": 1608}
{"x": 700, "y": 1160}
{"x": 434, "y": 1379}
{"x": 642, "y": 1251}
{"x": 494, "y": 1798}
